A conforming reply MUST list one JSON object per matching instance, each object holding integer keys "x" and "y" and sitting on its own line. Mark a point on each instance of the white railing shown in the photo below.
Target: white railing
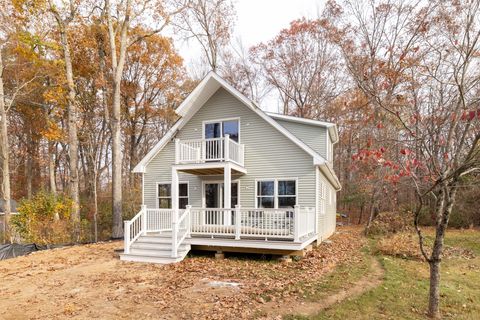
{"x": 290, "y": 224}
{"x": 241, "y": 222}
{"x": 133, "y": 229}
{"x": 209, "y": 150}
{"x": 180, "y": 228}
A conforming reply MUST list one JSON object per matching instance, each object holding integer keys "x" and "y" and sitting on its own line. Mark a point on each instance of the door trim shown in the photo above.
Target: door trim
{"x": 237, "y": 181}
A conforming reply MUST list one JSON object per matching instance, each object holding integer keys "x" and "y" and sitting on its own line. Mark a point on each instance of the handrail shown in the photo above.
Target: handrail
{"x": 176, "y": 223}
{"x": 134, "y": 228}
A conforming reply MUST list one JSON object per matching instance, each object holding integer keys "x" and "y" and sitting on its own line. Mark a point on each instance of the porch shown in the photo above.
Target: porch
{"x": 166, "y": 235}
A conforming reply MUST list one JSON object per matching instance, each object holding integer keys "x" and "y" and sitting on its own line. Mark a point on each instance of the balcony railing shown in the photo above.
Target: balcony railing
{"x": 209, "y": 150}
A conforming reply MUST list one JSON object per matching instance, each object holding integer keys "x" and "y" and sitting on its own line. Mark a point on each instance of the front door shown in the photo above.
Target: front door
{"x": 214, "y": 199}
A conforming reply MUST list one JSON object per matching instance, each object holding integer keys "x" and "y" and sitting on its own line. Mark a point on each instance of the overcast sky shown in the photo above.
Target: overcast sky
{"x": 259, "y": 21}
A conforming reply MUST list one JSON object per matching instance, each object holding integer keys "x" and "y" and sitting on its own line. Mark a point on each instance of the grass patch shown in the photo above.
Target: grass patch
{"x": 404, "y": 291}
{"x": 342, "y": 277}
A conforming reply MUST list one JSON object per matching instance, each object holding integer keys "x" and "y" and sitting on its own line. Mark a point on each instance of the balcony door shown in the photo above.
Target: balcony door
{"x": 215, "y": 130}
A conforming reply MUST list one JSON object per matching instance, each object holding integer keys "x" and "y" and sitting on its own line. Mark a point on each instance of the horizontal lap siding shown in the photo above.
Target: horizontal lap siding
{"x": 268, "y": 154}
{"x": 314, "y": 136}
{"x": 326, "y": 223}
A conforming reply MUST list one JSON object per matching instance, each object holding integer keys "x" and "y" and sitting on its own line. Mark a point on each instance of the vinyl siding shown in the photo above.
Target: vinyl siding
{"x": 268, "y": 154}
{"x": 326, "y": 222}
{"x": 315, "y": 137}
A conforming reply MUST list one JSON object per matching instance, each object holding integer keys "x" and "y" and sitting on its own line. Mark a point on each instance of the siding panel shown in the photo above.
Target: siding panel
{"x": 315, "y": 137}
{"x": 268, "y": 154}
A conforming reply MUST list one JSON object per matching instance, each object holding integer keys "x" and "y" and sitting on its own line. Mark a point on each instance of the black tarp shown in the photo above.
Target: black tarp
{"x": 13, "y": 250}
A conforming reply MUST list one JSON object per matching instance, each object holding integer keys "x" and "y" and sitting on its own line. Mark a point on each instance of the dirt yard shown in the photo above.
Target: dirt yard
{"x": 89, "y": 281}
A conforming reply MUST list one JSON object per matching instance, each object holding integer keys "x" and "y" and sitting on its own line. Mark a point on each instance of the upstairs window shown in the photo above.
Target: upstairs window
{"x": 218, "y": 129}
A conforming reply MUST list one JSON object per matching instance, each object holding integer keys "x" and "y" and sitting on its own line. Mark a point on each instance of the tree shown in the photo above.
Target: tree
{"x": 416, "y": 64}
{"x": 122, "y": 28}
{"x": 302, "y": 65}
{"x": 64, "y": 16}
{"x": 210, "y": 22}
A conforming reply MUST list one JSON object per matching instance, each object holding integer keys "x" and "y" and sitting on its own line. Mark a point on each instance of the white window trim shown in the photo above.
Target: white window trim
{"x": 275, "y": 189}
{"x": 219, "y": 121}
{"x": 157, "y": 197}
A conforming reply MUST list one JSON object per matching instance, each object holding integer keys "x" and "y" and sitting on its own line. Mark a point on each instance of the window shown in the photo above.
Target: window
{"x": 276, "y": 193}
{"x": 219, "y": 129}
{"x": 322, "y": 195}
{"x": 165, "y": 195}
{"x": 266, "y": 194}
{"x": 287, "y": 193}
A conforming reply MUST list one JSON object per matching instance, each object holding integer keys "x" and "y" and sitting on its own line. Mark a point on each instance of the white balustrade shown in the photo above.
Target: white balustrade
{"x": 209, "y": 150}
{"x": 239, "y": 223}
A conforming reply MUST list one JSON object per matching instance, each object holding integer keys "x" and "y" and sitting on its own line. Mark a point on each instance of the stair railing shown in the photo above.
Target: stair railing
{"x": 180, "y": 226}
{"x": 134, "y": 228}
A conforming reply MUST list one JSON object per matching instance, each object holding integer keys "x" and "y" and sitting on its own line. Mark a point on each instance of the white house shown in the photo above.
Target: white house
{"x": 230, "y": 177}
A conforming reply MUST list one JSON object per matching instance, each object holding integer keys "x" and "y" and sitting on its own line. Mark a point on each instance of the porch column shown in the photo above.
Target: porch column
{"x": 227, "y": 186}
{"x": 174, "y": 188}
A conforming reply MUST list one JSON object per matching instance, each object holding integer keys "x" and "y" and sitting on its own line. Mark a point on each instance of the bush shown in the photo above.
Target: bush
{"x": 44, "y": 219}
{"x": 390, "y": 222}
{"x": 402, "y": 244}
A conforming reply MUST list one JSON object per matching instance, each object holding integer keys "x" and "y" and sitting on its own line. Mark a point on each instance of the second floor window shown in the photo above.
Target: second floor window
{"x": 218, "y": 129}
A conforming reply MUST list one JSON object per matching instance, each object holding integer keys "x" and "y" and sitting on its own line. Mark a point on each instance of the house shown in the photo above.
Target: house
{"x": 230, "y": 177}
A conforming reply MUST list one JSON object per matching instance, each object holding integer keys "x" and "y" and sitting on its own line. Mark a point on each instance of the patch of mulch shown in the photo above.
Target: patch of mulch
{"x": 90, "y": 282}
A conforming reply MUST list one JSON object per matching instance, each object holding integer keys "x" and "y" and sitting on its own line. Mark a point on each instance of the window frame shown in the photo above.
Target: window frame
{"x": 275, "y": 192}
{"x": 221, "y": 127}
{"x": 170, "y": 197}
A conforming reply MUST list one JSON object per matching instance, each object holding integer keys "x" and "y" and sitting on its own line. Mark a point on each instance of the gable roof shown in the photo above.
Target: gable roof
{"x": 197, "y": 98}
{"x": 331, "y": 127}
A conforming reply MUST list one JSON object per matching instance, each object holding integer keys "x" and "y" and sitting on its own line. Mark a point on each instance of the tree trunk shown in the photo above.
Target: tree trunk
{"x": 444, "y": 209}
{"x": 51, "y": 167}
{"x": 4, "y": 149}
{"x": 117, "y": 72}
{"x": 117, "y": 230}
{"x": 72, "y": 136}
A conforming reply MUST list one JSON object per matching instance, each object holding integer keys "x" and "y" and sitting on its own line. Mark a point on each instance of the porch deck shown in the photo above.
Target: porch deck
{"x": 169, "y": 234}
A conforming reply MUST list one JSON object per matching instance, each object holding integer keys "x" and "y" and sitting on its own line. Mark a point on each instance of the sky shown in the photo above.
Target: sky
{"x": 258, "y": 21}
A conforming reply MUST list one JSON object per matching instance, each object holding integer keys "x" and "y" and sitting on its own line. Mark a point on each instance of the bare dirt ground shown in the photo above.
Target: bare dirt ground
{"x": 89, "y": 281}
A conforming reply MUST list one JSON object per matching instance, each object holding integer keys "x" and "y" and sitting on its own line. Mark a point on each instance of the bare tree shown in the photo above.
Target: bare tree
{"x": 210, "y": 22}
{"x": 417, "y": 65}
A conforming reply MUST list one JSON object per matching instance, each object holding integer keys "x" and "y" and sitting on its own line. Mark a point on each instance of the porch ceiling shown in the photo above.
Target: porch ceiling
{"x": 210, "y": 168}
{"x": 209, "y": 171}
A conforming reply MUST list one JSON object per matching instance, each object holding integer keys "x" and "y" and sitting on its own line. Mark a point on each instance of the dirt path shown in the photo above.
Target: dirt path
{"x": 89, "y": 281}
{"x": 295, "y": 307}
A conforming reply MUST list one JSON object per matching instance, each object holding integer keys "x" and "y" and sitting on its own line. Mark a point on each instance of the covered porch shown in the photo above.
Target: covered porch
{"x": 274, "y": 229}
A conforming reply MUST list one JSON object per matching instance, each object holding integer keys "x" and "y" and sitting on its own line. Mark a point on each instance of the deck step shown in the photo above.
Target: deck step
{"x": 150, "y": 258}
{"x": 156, "y": 245}
{"x": 157, "y": 252}
{"x": 154, "y": 239}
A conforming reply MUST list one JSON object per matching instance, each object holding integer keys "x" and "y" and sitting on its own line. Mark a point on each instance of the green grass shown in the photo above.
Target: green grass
{"x": 404, "y": 291}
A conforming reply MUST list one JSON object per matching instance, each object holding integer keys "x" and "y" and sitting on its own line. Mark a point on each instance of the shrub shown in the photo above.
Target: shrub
{"x": 390, "y": 222}
{"x": 402, "y": 244}
{"x": 44, "y": 219}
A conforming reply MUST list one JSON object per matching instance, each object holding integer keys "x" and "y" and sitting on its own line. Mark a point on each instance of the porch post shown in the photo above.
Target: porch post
{"x": 238, "y": 222}
{"x": 296, "y": 224}
{"x": 174, "y": 188}
{"x": 174, "y": 194}
{"x": 227, "y": 185}
{"x": 144, "y": 219}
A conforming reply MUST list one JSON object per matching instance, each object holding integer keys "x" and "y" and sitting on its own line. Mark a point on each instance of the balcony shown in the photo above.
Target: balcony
{"x": 200, "y": 151}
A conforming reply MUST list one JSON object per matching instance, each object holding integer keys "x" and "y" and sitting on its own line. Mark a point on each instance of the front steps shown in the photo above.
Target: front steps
{"x": 155, "y": 248}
